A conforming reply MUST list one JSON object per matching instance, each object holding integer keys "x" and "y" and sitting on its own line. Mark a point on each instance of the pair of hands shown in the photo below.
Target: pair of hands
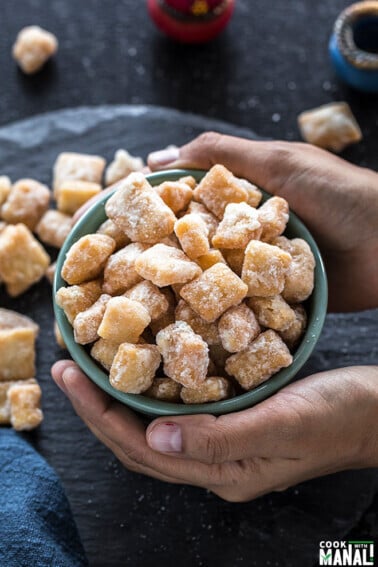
{"x": 322, "y": 424}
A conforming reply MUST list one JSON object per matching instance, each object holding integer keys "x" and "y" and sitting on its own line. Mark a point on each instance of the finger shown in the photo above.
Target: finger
{"x": 268, "y": 430}
{"x": 265, "y": 163}
{"x": 121, "y": 428}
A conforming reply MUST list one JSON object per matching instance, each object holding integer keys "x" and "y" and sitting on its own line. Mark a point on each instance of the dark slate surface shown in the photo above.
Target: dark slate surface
{"x": 125, "y": 519}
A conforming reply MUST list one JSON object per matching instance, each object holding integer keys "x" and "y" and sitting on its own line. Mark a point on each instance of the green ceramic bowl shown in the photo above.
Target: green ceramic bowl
{"x": 316, "y": 307}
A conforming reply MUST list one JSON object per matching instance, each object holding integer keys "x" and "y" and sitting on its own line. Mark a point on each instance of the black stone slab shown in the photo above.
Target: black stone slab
{"x": 125, "y": 519}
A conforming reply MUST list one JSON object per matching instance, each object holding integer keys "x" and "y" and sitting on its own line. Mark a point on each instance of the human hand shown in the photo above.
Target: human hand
{"x": 338, "y": 201}
{"x": 316, "y": 426}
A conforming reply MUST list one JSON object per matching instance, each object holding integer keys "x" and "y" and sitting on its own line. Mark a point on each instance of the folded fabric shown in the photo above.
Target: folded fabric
{"x": 36, "y": 524}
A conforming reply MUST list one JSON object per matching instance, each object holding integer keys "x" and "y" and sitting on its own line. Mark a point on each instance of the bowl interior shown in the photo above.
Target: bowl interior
{"x": 316, "y": 310}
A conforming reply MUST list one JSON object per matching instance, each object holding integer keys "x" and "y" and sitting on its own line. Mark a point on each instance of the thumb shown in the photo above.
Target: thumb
{"x": 265, "y": 163}
{"x": 252, "y": 433}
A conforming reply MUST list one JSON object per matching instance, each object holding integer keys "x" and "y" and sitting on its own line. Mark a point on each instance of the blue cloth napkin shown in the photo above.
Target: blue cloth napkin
{"x": 36, "y": 524}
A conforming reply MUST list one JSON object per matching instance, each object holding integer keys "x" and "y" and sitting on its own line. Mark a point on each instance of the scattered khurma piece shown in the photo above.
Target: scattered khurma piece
{"x": 217, "y": 289}
{"x": 53, "y": 228}
{"x": 264, "y": 269}
{"x": 5, "y": 188}
{"x": 77, "y": 298}
{"x": 214, "y": 389}
{"x": 17, "y": 353}
{"x": 176, "y": 194}
{"x": 58, "y": 336}
{"x": 120, "y": 273}
{"x": 237, "y": 328}
{"x": 164, "y": 389}
{"x": 23, "y": 261}
{"x": 165, "y": 265}
{"x": 272, "y": 312}
{"x": 28, "y": 200}
{"x": 33, "y": 47}
{"x": 73, "y": 194}
{"x": 273, "y": 216}
{"x": 124, "y": 320}
{"x": 86, "y": 259}
{"x": 331, "y": 126}
{"x": 71, "y": 166}
{"x": 137, "y": 209}
{"x": 219, "y": 188}
{"x": 13, "y": 320}
{"x": 184, "y": 353}
{"x": 134, "y": 367}
{"x": 239, "y": 225}
{"x": 299, "y": 279}
{"x": 192, "y": 233}
{"x": 265, "y": 356}
{"x": 122, "y": 165}
{"x": 20, "y": 404}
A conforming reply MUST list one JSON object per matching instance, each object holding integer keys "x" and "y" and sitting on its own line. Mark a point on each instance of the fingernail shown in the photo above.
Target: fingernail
{"x": 164, "y": 157}
{"x": 166, "y": 438}
{"x": 66, "y": 376}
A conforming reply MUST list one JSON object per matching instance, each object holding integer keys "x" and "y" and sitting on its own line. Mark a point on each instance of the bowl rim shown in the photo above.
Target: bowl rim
{"x": 155, "y": 408}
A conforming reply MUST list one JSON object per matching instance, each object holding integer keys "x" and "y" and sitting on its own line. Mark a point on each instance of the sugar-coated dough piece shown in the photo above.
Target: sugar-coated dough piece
{"x": 17, "y": 353}
{"x": 264, "y": 269}
{"x": 215, "y": 291}
{"x": 4, "y": 403}
{"x": 110, "y": 229}
{"x": 58, "y": 336}
{"x": 86, "y": 258}
{"x": 211, "y": 257}
{"x": 13, "y": 320}
{"x": 53, "y": 228}
{"x": 87, "y": 322}
{"x": 299, "y": 279}
{"x": 164, "y": 389}
{"x": 239, "y": 225}
{"x": 73, "y": 194}
{"x": 331, "y": 126}
{"x": 25, "y": 405}
{"x": 104, "y": 352}
{"x": 219, "y": 188}
{"x": 235, "y": 259}
{"x": 134, "y": 367}
{"x": 137, "y": 209}
{"x": 273, "y": 216}
{"x": 189, "y": 180}
{"x": 237, "y": 328}
{"x": 124, "y": 320}
{"x": 272, "y": 312}
{"x": 265, "y": 356}
{"x": 165, "y": 265}
{"x": 176, "y": 194}
{"x": 80, "y": 167}
{"x": 150, "y": 296}
{"x": 209, "y": 219}
{"x": 214, "y": 389}
{"x": 192, "y": 233}
{"x": 77, "y": 298}
{"x": 293, "y": 333}
{"x": 33, "y": 47}
{"x": 28, "y": 200}
{"x": 5, "y": 188}
{"x": 208, "y": 331}
{"x": 119, "y": 272}
{"x": 122, "y": 165}
{"x": 254, "y": 193}
{"x": 23, "y": 260}
{"x": 185, "y": 354}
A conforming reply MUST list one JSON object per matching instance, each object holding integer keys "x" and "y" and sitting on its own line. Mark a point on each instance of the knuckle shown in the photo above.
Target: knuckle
{"x": 209, "y": 140}
{"x": 216, "y": 449}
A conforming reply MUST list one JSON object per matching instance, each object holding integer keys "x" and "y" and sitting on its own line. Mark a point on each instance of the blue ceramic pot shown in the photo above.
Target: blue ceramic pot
{"x": 353, "y": 46}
